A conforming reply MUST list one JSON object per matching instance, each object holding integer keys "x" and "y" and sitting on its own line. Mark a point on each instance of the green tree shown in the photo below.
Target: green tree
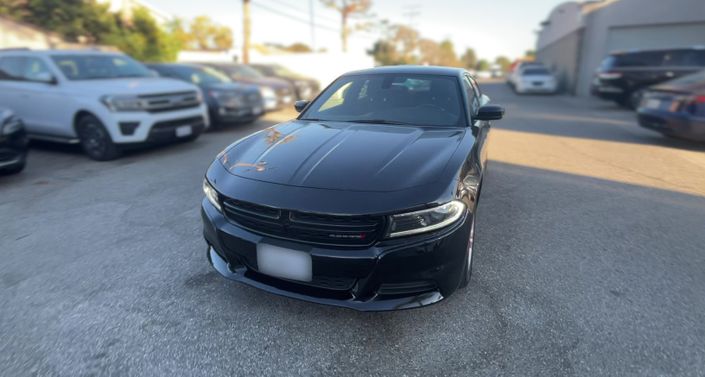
{"x": 207, "y": 35}
{"x": 145, "y": 40}
{"x": 398, "y": 47}
{"x": 469, "y": 58}
{"x": 482, "y": 65}
{"x": 503, "y": 62}
{"x": 530, "y": 53}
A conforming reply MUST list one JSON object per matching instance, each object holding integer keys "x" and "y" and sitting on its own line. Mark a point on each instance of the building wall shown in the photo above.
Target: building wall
{"x": 562, "y": 57}
{"x": 606, "y": 28}
{"x": 615, "y": 25}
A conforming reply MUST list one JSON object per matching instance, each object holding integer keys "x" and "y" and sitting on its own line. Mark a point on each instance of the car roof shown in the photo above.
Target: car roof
{"x": 410, "y": 69}
{"x": 59, "y": 52}
{"x": 636, "y": 51}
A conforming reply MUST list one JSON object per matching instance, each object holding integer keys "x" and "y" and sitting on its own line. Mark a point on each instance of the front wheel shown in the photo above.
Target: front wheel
{"x": 96, "y": 140}
{"x": 467, "y": 272}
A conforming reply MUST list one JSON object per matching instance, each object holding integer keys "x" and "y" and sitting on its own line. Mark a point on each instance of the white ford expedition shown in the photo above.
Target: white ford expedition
{"x": 105, "y": 101}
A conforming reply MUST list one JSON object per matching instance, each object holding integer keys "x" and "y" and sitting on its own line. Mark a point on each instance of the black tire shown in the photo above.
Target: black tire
{"x": 96, "y": 140}
{"x": 467, "y": 272}
{"x": 14, "y": 169}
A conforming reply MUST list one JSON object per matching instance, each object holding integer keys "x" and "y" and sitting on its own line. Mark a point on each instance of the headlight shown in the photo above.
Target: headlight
{"x": 10, "y": 126}
{"x": 211, "y": 194}
{"x": 227, "y": 98}
{"x": 267, "y": 92}
{"x": 123, "y": 103}
{"x": 425, "y": 220}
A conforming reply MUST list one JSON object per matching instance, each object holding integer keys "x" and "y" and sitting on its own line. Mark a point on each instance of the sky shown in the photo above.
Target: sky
{"x": 491, "y": 27}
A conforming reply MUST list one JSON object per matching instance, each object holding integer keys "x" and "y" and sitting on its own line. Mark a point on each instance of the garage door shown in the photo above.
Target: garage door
{"x": 655, "y": 36}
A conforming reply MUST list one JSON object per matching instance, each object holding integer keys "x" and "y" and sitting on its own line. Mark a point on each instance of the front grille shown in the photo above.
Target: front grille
{"x": 157, "y": 103}
{"x": 172, "y": 124}
{"x": 253, "y": 99}
{"x": 319, "y": 229}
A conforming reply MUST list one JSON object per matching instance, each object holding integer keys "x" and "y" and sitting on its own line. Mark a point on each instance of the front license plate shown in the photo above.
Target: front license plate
{"x": 183, "y": 131}
{"x": 284, "y": 263}
{"x": 652, "y": 103}
{"x": 538, "y": 83}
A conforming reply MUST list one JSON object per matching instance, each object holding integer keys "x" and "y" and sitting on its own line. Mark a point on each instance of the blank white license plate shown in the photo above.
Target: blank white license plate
{"x": 182, "y": 131}
{"x": 652, "y": 103}
{"x": 284, "y": 263}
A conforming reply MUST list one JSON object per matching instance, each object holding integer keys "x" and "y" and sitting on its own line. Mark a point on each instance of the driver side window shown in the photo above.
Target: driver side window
{"x": 472, "y": 93}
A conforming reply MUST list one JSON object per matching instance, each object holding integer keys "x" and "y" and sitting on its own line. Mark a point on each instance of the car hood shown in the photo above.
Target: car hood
{"x": 136, "y": 86}
{"x": 679, "y": 87}
{"x": 344, "y": 156}
{"x": 272, "y": 82}
{"x": 234, "y": 87}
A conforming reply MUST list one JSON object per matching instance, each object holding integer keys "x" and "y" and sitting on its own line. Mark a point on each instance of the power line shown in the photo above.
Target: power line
{"x": 295, "y": 18}
{"x": 293, "y": 7}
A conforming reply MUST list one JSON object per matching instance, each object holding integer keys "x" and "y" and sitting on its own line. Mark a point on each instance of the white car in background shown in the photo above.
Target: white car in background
{"x": 534, "y": 79}
{"x": 104, "y": 101}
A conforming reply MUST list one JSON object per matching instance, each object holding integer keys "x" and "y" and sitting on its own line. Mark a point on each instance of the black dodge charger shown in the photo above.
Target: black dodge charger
{"x": 366, "y": 200}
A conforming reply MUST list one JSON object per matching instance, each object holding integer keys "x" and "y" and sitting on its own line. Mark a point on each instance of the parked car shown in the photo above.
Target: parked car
{"x": 516, "y": 67}
{"x": 366, "y": 200}
{"x": 13, "y": 143}
{"x": 676, "y": 108}
{"x": 535, "y": 79}
{"x": 623, "y": 77}
{"x": 277, "y": 93}
{"x": 228, "y": 102}
{"x": 305, "y": 87}
{"x": 105, "y": 101}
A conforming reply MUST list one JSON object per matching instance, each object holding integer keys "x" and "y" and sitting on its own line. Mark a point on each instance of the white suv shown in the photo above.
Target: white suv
{"x": 104, "y": 101}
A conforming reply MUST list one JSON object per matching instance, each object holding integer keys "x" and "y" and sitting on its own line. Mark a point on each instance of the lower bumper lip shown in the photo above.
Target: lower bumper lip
{"x": 377, "y": 303}
{"x": 404, "y": 274}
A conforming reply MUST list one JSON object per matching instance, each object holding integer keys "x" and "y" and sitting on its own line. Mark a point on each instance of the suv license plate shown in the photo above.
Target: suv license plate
{"x": 183, "y": 131}
{"x": 284, "y": 263}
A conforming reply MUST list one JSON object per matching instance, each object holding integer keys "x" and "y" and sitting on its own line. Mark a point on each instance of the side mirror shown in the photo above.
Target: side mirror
{"x": 300, "y": 105}
{"x": 490, "y": 112}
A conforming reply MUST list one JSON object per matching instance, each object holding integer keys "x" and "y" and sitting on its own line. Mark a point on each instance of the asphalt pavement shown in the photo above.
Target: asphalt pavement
{"x": 590, "y": 261}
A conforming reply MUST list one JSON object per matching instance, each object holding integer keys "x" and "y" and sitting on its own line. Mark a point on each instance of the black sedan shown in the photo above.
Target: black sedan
{"x": 305, "y": 87}
{"x": 276, "y": 92}
{"x": 367, "y": 200}
{"x": 13, "y": 143}
{"x": 676, "y": 108}
{"x": 228, "y": 102}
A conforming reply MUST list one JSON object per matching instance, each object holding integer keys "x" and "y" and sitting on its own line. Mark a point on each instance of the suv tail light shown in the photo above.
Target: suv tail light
{"x": 609, "y": 75}
{"x": 696, "y": 105}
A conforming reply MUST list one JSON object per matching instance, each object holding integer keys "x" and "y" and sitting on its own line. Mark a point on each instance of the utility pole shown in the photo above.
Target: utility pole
{"x": 344, "y": 24}
{"x": 246, "y": 31}
{"x": 313, "y": 25}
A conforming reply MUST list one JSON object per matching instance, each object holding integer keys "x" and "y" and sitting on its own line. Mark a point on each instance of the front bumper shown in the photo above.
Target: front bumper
{"x": 396, "y": 274}
{"x": 680, "y": 125}
{"x": 222, "y": 114}
{"x": 144, "y": 126}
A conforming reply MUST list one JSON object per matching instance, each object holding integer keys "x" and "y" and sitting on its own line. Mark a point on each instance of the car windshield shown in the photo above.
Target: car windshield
{"x": 99, "y": 66}
{"x": 411, "y": 99}
{"x": 284, "y": 72}
{"x": 535, "y": 72}
{"x": 200, "y": 75}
